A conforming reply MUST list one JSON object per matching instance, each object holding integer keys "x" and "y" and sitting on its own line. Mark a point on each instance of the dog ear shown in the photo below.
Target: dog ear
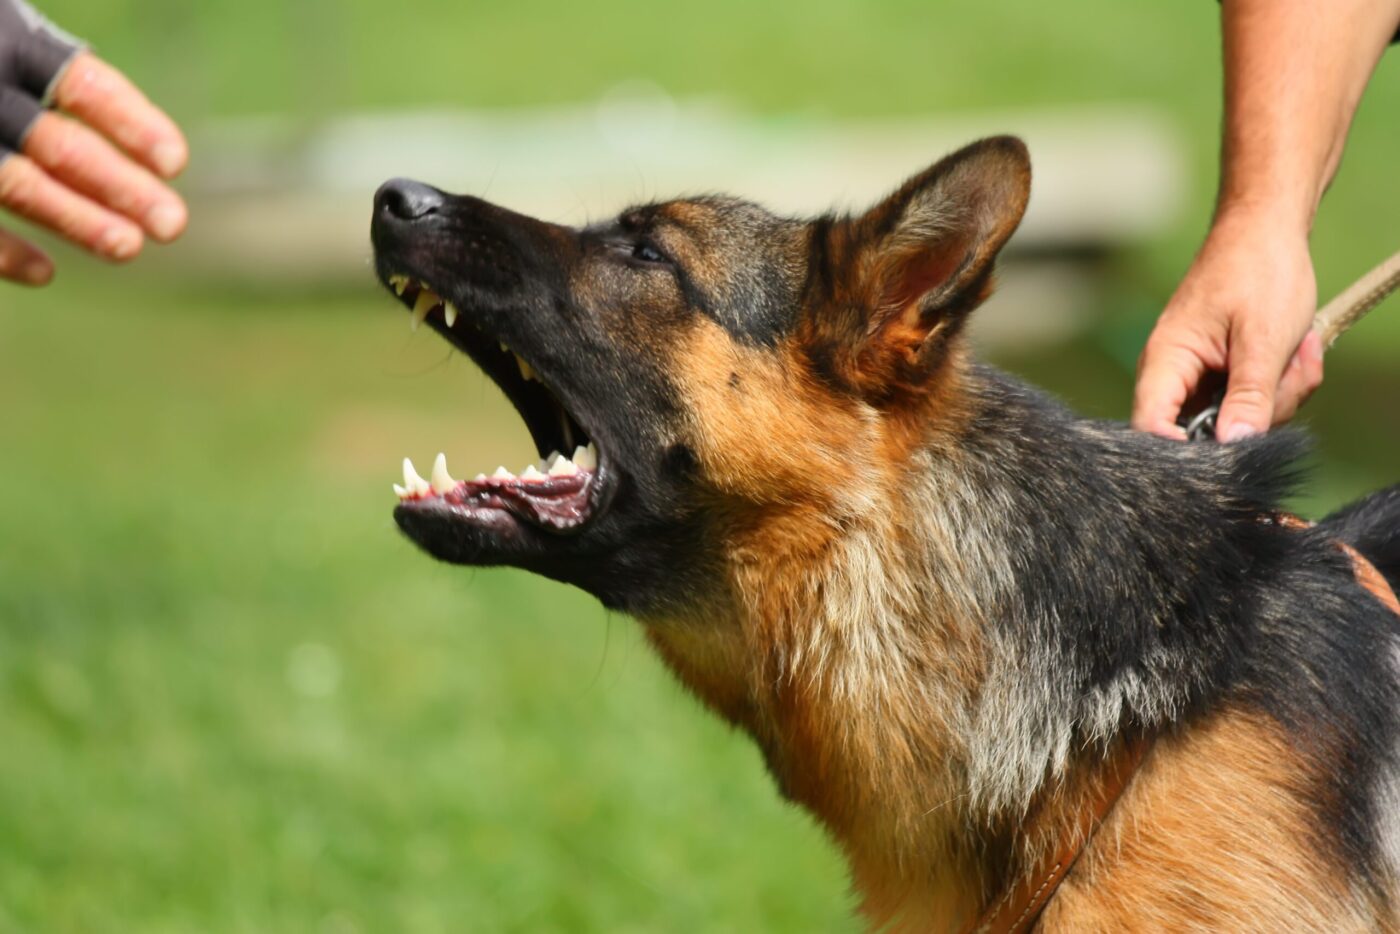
{"x": 913, "y": 266}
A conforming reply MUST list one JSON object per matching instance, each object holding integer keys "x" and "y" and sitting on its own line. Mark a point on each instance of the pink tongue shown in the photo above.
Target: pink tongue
{"x": 559, "y": 502}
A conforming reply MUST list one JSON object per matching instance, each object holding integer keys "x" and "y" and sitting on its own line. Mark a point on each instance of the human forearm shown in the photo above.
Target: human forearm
{"x": 1294, "y": 74}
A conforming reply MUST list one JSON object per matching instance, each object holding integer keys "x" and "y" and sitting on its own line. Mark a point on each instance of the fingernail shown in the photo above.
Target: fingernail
{"x": 38, "y": 272}
{"x": 166, "y": 220}
{"x": 1238, "y": 432}
{"x": 169, "y": 158}
{"x": 119, "y": 243}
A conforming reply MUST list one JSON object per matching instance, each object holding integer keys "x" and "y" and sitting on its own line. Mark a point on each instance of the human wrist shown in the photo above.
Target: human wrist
{"x": 1272, "y": 216}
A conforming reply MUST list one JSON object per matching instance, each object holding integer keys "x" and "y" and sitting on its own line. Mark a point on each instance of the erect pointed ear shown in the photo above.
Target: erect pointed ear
{"x": 904, "y": 275}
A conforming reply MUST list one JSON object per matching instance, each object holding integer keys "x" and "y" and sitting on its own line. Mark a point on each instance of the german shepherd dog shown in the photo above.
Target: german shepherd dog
{"x": 941, "y": 604}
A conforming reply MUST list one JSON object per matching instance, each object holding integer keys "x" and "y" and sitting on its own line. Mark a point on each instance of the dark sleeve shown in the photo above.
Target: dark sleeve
{"x": 33, "y": 55}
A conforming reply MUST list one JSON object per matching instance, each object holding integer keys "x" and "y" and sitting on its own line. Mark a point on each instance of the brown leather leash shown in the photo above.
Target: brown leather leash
{"x": 1020, "y": 906}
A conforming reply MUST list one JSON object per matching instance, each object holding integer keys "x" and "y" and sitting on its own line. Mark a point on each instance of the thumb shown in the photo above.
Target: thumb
{"x": 1248, "y": 407}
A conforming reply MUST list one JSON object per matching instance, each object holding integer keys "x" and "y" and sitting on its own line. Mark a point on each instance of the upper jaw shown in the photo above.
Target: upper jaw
{"x": 561, "y": 494}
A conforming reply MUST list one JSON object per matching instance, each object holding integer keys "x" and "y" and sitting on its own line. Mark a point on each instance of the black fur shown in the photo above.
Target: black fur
{"x": 1135, "y": 556}
{"x": 1372, "y": 526}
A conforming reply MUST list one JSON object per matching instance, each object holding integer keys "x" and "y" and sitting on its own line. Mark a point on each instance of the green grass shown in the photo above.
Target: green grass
{"x": 232, "y": 699}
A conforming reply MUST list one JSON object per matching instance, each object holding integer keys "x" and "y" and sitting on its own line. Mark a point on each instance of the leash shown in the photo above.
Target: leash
{"x": 1349, "y": 307}
{"x": 1020, "y": 906}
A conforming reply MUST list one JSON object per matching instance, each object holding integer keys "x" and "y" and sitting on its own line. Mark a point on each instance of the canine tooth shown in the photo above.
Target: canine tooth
{"x": 586, "y": 457}
{"x": 449, "y": 312}
{"x": 502, "y": 474}
{"x": 563, "y": 468}
{"x": 416, "y": 484}
{"x": 442, "y": 480}
{"x": 526, "y": 371}
{"x": 531, "y": 474}
{"x": 425, "y": 303}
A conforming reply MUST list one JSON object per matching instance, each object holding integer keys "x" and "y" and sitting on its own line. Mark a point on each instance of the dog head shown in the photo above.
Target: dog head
{"x": 693, "y": 371}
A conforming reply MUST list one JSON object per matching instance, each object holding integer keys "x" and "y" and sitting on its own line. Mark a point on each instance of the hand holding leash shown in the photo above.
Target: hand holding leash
{"x": 92, "y": 175}
{"x": 1349, "y": 307}
{"x": 1245, "y": 308}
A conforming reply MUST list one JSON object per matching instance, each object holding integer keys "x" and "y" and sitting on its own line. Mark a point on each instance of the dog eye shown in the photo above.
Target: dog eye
{"x": 647, "y": 253}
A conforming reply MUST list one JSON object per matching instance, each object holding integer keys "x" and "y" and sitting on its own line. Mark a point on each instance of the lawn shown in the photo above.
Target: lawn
{"x": 233, "y": 699}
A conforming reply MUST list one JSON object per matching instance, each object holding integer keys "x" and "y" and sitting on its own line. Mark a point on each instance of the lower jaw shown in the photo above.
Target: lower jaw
{"x": 560, "y": 505}
{"x": 556, "y": 495}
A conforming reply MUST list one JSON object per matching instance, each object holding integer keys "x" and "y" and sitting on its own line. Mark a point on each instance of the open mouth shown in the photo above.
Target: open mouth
{"x": 559, "y": 493}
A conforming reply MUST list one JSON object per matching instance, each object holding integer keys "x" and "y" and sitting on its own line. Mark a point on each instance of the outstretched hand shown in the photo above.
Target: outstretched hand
{"x": 1244, "y": 309}
{"x": 94, "y": 172}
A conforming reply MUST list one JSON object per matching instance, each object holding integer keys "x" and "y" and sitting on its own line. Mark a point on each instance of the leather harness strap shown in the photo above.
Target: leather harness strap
{"x": 1020, "y": 906}
{"x": 1366, "y": 573}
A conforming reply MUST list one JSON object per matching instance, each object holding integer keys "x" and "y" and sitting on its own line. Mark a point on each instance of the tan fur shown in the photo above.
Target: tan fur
{"x": 1213, "y": 834}
{"x": 816, "y": 651}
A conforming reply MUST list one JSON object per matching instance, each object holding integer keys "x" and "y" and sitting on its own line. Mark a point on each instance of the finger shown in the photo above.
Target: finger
{"x": 102, "y": 97}
{"x": 76, "y": 156}
{"x": 1300, "y": 380}
{"x": 1254, "y": 374}
{"x": 1167, "y": 376}
{"x": 23, "y": 262}
{"x": 28, "y": 192}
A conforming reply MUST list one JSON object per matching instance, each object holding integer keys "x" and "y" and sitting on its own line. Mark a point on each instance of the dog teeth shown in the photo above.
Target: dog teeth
{"x": 399, "y": 284}
{"x": 449, "y": 313}
{"x": 415, "y": 484}
{"x": 555, "y": 466}
{"x": 442, "y": 480}
{"x": 526, "y": 371}
{"x": 563, "y": 468}
{"x": 425, "y": 303}
{"x": 586, "y": 458}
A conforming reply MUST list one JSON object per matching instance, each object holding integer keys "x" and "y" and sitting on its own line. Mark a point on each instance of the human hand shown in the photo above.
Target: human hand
{"x": 92, "y": 174}
{"x": 1245, "y": 308}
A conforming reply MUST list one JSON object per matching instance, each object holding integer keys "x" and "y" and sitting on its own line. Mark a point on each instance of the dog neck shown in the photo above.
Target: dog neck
{"x": 863, "y": 690}
{"x": 863, "y": 644}
{"x": 856, "y": 654}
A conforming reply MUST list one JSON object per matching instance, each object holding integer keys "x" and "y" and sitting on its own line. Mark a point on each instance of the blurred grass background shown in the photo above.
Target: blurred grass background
{"x": 231, "y": 699}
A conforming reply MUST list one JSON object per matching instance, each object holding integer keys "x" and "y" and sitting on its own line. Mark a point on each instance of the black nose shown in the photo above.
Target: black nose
{"x": 407, "y": 200}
